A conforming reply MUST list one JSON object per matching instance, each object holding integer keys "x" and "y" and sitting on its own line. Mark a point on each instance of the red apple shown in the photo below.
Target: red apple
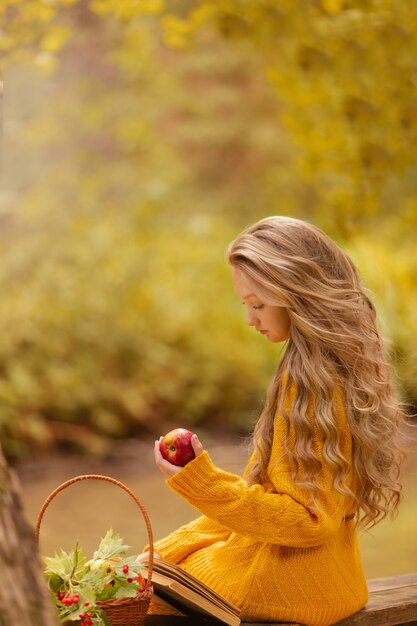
{"x": 176, "y": 446}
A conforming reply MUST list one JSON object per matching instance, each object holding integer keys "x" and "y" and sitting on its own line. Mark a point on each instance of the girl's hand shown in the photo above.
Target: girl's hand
{"x": 145, "y": 555}
{"x": 168, "y": 468}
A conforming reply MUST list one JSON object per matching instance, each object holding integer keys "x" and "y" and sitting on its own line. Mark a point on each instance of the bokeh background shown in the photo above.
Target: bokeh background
{"x": 139, "y": 138}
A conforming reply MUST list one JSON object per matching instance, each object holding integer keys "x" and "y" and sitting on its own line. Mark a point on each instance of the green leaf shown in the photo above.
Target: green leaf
{"x": 105, "y": 619}
{"x": 125, "y": 589}
{"x": 106, "y": 594}
{"x": 111, "y": 546}
{"x": 134, "y": 566}
{"x": 73, "y": 615}
{"x": 91, "y": 586}
{"x": 66, "y": 565}
{"x": 55, "y": 582}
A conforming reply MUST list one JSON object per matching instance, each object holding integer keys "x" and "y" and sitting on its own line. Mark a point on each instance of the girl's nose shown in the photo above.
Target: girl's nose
{"x": 251, "y": 318}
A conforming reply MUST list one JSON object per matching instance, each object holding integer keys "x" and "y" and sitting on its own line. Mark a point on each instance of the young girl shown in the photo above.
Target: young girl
{"x": 281, "y": 542}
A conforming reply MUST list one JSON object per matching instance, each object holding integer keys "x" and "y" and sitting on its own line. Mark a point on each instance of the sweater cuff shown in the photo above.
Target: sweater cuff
{"x": 189, "y": 481}
{"x": 170, "y": 549}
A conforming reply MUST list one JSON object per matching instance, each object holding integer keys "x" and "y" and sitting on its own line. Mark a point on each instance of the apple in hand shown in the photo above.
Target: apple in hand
{"x": 176, "y": 446}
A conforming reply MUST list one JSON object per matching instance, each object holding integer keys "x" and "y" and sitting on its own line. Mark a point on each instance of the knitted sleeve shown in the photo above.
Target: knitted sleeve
{"x": 278, "y": 512}
{"x": 198, "y": 534}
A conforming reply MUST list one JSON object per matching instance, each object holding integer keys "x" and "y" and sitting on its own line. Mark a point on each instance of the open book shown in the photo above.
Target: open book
{"x": 189, "y": 595}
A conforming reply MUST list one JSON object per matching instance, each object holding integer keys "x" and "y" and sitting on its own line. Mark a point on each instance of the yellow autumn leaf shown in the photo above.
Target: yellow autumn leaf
{"x": 332, "y": 6}
{"x": 127, "y": 9}
{"x": 37, "y": 11}
{"x": 6, "y": 42}
{"x": 55, "y": 39}
{"x": 202, "y": 14}
{"x": 177, "y": 32}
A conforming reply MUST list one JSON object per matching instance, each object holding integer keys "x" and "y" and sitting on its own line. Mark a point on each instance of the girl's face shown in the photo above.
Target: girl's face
{"x": 272, "y": 321}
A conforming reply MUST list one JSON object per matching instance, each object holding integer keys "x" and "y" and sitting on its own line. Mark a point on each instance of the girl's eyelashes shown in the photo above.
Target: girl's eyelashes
{"x": 255, "y": 306}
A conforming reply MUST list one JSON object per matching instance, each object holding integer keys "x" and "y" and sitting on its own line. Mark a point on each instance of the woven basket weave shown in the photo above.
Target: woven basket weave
{"x": 121, "y": 611}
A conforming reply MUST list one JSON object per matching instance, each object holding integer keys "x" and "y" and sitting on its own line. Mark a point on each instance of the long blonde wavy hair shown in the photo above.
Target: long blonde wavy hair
{"x": 334, "y": 342}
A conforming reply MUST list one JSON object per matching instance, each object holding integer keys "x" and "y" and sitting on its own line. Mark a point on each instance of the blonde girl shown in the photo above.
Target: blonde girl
{"x": 281, "y": 542}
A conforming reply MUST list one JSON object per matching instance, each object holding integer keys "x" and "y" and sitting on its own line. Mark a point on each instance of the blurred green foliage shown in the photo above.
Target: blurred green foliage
{"x": 139, "y": 140}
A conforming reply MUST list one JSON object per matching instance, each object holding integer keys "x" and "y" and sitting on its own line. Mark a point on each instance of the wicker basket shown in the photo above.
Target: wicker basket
{"x": 121, "y": 611}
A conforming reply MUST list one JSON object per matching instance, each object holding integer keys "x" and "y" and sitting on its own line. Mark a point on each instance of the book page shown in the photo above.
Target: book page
{"x": 186, "y": 593}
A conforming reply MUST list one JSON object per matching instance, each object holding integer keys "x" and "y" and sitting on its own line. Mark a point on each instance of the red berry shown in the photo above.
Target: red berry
{"x": 130, "y": 580}
{"x": 89, "y": 614}
{"x": 125, "y": 568}
{"x": 86, "y": 604}
{"x": 81, "y": 615}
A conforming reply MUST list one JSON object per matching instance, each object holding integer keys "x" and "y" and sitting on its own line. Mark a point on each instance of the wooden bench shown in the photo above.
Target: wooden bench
{"x": 392, "y": 601}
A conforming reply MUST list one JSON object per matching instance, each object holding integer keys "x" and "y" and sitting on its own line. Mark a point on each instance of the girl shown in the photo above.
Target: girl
{"x": 281, "y": 542}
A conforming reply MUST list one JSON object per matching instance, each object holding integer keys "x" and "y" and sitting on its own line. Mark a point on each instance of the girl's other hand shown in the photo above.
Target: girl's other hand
{"x": 167, "y": 468}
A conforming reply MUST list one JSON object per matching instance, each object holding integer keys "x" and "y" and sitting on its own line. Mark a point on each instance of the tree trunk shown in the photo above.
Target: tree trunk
{"x": 24, "y": 597}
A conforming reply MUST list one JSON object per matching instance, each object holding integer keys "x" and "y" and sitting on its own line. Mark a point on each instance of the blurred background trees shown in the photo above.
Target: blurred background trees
{"x": 139, "y": 139}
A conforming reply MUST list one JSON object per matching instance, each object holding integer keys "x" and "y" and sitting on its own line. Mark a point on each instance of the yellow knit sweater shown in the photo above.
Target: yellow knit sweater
{"x": 262, "y": 547}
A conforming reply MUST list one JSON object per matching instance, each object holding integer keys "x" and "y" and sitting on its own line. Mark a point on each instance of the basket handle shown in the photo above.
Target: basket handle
{"x": 76, "y": 479}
